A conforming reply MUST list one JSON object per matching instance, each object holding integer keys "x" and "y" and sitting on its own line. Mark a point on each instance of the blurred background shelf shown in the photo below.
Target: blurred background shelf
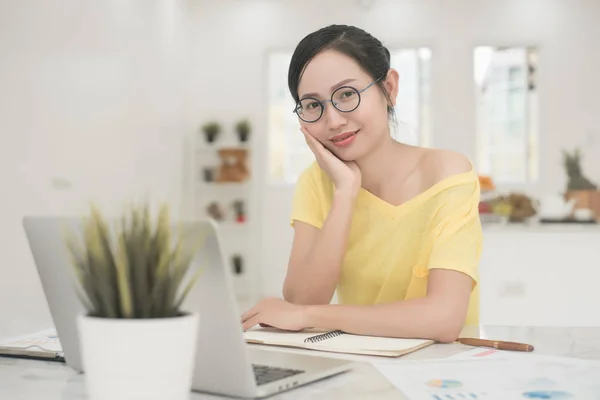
{"x": 228, "y": 202}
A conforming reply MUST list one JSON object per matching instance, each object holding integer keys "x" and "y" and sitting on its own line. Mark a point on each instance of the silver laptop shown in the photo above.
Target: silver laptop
{"x": 225, "y": 364}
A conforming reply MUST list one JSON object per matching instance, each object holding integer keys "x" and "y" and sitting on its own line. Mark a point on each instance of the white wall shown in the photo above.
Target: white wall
{"x": 92, "y": 107}
{"x": 232, "y": 39}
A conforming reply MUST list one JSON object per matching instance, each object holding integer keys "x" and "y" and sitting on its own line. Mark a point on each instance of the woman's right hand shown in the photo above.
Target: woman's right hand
{"x": 345, "y": 174}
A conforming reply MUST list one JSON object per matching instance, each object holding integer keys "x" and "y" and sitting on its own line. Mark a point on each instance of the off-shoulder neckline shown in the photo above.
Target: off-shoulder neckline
{"x": 430, "y": 192}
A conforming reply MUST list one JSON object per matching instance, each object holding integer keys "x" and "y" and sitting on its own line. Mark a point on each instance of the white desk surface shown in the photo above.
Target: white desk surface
{"x": 33, "y": 380}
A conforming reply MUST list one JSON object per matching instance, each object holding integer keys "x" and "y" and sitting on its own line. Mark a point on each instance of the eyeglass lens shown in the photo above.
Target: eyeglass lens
{"x": 345, "y": 99}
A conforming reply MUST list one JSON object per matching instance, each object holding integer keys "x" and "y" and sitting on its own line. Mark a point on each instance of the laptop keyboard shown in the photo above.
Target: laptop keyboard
{"x": 265, "y": 374}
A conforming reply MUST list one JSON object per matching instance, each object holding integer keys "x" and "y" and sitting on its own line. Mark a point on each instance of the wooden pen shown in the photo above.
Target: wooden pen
{"x": 496, "y": 344}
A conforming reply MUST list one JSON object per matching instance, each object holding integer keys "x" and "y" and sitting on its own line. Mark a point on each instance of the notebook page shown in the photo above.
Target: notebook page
{"x": 276, "y": 336}
{"x": 370, "y": 343}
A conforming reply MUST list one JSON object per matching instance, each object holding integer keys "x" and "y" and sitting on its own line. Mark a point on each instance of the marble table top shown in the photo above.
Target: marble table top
{"x": 30, "y": 379}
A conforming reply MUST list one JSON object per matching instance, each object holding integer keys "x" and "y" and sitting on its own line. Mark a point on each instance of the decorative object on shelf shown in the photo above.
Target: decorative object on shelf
{"x": 501, "y": 206}
{"x": 586, "y": 200}
{"x": 492, "y": 208}
{"x": 238, "y": 264}
{"x": 584, "y": 215}
{"x": 243, "y": 130}
{"x": 209, "y": 174}
{"x": 516, "y": 207}
{"x": 555, "y": 207}
{"x": 233, "y": 166}
{"x": 579, "y": 187}
{"x": 215, "y": 211}
{"x": 522, "y": 207}
{"x": 486, "y": 183}
{"x": 486, "y": 213}
{"x": 132, "y": 284}
{"x": 240, "y": 213}
{"x": 485, "y": 207}
{"x": 576, "y": 178}
{"x": 211, "y": 131}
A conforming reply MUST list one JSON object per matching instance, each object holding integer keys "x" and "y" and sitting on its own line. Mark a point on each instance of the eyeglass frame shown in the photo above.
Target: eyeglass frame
{"x": 322, "y": 102}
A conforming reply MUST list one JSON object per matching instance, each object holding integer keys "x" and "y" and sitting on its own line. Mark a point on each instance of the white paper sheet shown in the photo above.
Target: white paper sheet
{"x": 43, "y": 341}
{"x": 489, "y": 353}
{"x": 531, "y": 377}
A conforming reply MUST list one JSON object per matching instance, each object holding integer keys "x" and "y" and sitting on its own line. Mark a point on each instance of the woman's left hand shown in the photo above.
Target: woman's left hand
{"x": 277, "y": 313}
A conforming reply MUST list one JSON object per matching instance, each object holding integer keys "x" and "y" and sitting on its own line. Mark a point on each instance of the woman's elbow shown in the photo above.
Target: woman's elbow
{"x": 447, "y": 335}
{"x": 449, "y": 326}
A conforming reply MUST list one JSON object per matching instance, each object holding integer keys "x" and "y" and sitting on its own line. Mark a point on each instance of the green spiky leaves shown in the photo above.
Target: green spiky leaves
{"x": 137, "y": 269}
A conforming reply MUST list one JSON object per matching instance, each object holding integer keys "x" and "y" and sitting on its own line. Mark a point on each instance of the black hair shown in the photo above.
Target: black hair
{"x": 366, "y": 50}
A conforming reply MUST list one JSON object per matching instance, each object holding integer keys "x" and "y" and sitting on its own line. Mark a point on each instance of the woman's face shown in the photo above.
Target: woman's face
{"x": 349, "y": 135}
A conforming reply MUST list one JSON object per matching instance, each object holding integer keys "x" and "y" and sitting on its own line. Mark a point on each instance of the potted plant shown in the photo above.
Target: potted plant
{"x": 135, "y": 340}
{"x": 576, "y": 178}
{"x": 579, "y": 187}
{"x": 243, "y": 130}
{"x": 211, "y": 131}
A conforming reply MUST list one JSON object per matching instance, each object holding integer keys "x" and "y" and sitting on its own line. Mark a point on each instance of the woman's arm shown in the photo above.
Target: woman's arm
{"x": 317, "y": 254}
{"x": 440, "y": 315}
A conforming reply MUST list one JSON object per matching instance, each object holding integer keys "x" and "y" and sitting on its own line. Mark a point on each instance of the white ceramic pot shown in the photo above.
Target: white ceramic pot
{"x": 131, "y": 359}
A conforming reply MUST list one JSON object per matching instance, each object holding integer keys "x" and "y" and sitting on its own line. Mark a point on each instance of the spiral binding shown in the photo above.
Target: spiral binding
{"x": 324, "y": 336}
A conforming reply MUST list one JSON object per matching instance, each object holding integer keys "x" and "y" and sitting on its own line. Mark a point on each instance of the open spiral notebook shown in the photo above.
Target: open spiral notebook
{"x": 336, "y": 341}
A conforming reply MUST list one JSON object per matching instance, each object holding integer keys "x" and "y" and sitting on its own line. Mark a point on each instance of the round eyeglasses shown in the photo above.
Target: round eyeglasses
{"x": 344, "y": 99}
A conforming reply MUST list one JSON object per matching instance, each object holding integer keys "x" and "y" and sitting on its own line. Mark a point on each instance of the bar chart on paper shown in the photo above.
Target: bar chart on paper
{"x": 548, "y": 378}
{"x": 450, "y": 389}
{"x": 535, "y": 394}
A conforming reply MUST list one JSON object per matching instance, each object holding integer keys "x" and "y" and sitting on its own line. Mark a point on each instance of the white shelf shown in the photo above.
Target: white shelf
{"x": 204, "y": 146}
{"x": 236, "y": 237}
{"x": 231, "y": 186}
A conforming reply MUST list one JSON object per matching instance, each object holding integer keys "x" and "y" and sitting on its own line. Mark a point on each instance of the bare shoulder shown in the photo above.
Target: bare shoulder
{"x": 440, "y": 164}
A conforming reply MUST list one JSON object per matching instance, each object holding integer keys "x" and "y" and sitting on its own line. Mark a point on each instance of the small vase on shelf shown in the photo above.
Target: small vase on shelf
{"x": 209, "y": 174}
{"x": 580, "y": 189}
{"x": 211, "y": 131}
{"x": 240, "y": 213}
{"x": 215, "y": 211}
{"x": 237, "y": 264}
{"x": 243, "y": 130}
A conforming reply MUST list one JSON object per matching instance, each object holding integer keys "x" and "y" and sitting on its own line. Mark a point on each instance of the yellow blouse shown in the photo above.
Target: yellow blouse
{"x": 392, "y": 248}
